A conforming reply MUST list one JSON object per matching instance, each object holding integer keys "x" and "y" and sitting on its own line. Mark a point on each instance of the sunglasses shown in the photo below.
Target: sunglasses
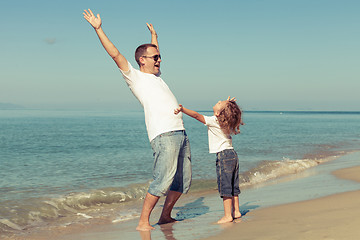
{"x": 155, "y": 57}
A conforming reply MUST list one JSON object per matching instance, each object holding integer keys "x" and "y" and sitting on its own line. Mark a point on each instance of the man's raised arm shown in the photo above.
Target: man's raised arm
{"x": 153, "y": 35}
{"x": 114, "y": 53}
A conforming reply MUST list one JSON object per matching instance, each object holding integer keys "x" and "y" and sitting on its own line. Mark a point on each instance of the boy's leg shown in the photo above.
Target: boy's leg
{"x": 149, "y": 204}
{"x": 236, "y": 208}
{"x": 227, "y": 210}
{"x": 170, "y": 201}
{"x": 236, "y": 190}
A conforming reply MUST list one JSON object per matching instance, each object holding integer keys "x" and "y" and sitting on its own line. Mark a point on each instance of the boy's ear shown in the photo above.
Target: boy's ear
{"x": 217, "y": 113}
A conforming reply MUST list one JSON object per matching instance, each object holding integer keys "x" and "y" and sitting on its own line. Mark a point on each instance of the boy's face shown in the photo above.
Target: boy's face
{"x": 149, "y": 64}
{"x": 219, "y": 106}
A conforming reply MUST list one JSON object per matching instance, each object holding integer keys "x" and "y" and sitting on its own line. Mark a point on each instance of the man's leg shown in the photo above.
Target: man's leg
{"x": 170, "y": 201}
{"x": 163, "y": 173}
{"x": 181, "y": 183}
{"x": 149, "y": 204}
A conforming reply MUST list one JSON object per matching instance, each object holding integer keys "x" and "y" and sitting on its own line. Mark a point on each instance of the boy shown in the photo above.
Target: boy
{"x": 225, "y": 122}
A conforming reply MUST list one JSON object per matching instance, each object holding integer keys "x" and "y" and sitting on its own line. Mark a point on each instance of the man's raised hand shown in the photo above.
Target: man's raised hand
{"x": 90, "y": 17}
{"x": 151, "y": 29}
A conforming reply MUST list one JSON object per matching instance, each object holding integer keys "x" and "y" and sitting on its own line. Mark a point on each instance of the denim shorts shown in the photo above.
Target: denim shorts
{"x": 172, "y": 163}
{"x": 227, "y": 171}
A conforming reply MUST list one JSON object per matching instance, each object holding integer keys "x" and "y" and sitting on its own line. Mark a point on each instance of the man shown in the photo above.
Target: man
{"x": 172, "y": 163}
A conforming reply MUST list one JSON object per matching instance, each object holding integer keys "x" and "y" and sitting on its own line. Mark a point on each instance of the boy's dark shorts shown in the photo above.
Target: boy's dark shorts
{"x": 227, "y": 170}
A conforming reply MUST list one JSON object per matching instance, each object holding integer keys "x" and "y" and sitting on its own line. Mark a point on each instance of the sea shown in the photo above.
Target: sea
{"x": 63, "y": 167}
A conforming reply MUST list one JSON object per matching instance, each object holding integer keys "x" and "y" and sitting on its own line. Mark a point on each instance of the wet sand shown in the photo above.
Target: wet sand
{"x": 333, "y": 217}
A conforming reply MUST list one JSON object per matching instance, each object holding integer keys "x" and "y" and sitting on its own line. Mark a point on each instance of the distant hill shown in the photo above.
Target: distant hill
{"x": 5, "y": 106}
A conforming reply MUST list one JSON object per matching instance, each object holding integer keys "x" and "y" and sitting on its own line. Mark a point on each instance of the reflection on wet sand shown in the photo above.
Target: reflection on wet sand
{"x": 167, "y": 230}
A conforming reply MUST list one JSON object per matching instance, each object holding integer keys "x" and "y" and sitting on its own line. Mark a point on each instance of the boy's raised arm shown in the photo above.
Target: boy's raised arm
{"x": 190, "y": 113}
{"x": 110, "y": 48}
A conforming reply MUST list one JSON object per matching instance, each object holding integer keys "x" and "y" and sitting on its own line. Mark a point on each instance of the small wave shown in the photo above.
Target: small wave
{"x": 99, "y": 197}
{"x": 10, "y": 224}
{"x": 125, "y": 216}
{"x": 265, "y": 171}
{"x": 34, "y": 212}
{"x": 268, "y": 170}
{"x": 84, "y": 215}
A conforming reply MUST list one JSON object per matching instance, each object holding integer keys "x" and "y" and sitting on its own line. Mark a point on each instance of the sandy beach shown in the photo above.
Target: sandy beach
{"x": 333, "y": 217}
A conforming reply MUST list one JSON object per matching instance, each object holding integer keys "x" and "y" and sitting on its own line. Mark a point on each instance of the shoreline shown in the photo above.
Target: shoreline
{"x": 197, "y": 212}
{"x": 331, "y": 217}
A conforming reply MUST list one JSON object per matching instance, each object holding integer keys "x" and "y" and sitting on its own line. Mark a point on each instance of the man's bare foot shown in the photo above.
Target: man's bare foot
{"x": 237, "y": 215}
{"x": 144, "y": 227}
{"x": 166, "y": 220}
{"x": 225, "y": 219}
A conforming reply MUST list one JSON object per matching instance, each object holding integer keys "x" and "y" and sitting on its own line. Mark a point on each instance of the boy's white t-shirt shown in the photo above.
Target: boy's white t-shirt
{"x": 218, "y": 140}
{"x": 157, "y": 100}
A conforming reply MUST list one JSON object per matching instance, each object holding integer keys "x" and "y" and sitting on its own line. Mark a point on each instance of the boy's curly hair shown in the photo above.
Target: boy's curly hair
{"x": 230, "y": 118}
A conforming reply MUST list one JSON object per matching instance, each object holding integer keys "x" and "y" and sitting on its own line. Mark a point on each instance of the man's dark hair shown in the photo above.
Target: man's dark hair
{"x": 141, "y": 51}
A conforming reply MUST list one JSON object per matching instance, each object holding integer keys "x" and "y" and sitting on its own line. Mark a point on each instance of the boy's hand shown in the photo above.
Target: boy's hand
{"x": 179, "y": 109}
{"x": 231, "y": 99}
{"x": 90, "y": 17}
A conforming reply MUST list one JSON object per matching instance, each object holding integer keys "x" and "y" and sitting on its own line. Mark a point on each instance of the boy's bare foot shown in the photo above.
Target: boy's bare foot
{"x": 225, "y": 219}
{"x": 144, "y": 227}
{"x": 166, "y": 220}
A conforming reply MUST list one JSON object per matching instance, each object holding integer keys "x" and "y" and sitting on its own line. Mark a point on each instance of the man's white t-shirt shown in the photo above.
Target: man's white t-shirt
{"x": 218, "y": 140}
{"x": 157, "y": 100}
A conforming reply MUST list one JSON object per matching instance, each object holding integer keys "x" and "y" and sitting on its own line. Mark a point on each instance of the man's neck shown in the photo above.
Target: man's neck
{"x": 144, "y": 70}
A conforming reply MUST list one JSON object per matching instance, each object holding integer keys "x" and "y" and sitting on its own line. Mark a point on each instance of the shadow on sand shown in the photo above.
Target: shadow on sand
{"x": 192, "y": 210}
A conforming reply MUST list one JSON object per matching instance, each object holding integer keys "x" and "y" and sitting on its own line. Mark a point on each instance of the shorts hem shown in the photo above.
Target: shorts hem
{"x": 156, "y": 194}
{"x": 229, "y": 195}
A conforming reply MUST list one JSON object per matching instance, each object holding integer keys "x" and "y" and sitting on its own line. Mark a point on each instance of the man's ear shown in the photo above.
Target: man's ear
{"x": 217, "y": 113}
{"x": 141, "y": 60}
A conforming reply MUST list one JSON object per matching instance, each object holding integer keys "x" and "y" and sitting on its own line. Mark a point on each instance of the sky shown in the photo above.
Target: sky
{"x": 269, "y": 54}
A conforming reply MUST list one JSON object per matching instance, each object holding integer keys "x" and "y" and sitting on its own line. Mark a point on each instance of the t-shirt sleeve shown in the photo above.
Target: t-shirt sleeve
{"x": 129, "y": 74}
{"x": 210, "y": 121}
